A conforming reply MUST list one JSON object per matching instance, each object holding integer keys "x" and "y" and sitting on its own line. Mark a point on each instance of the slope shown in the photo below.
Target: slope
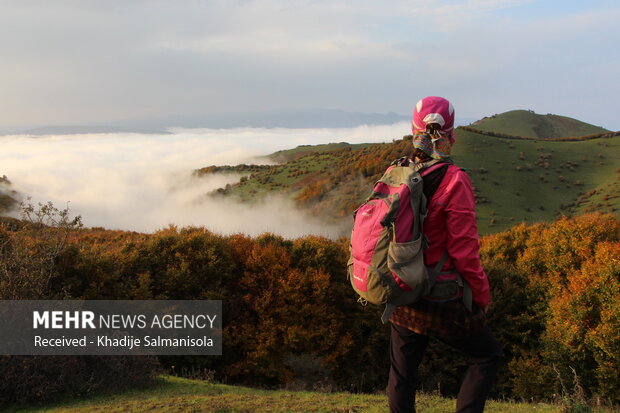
{"x": 523, "y": 180}
{"x": 529, "y": 124}
{"x": 302, "y": 150}
{"x": 514, "y": 180}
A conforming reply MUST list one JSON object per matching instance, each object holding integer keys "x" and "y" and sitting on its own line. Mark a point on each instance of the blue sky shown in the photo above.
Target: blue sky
{"x": 95, "y": 61}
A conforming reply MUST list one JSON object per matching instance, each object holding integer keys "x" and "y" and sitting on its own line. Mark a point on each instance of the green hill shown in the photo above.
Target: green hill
{"x": 529, "y": 124}
{"x": 527, "y": 180}
{"x": 515, "y": 180}
{"x": 302, "y": 150}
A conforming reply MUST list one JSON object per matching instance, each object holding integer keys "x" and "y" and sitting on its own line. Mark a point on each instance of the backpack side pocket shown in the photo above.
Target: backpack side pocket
{"x": 406, "y": 261}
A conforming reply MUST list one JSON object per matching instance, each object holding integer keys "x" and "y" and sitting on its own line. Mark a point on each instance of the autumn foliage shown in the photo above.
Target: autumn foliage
{"x": 291, "y": 317}
{"x": 346, "y": 183}
{"x": 556, "y": 305}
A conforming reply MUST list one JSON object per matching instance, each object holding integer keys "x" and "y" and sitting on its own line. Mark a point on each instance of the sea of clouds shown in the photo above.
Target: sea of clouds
{"x": 144, "y": 182}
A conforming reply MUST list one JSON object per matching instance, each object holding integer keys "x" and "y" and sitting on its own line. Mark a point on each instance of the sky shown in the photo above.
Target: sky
{"x": 93, "y": 61}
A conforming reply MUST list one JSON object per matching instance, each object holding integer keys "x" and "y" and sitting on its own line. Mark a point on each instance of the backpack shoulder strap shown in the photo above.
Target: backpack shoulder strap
{"x": 420, "y": 194}
{"x": 387, "y": 312}
{"x": 432, "y": 274}
{"x": 404, "y": 161}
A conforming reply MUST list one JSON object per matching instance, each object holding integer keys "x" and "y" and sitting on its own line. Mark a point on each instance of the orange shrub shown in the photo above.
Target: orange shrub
{"x": 583, "y": 329}
{"x": 289, "y": 308}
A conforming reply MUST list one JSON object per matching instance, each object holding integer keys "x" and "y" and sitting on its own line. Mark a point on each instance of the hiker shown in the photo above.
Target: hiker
{"x": 450, "y": 227}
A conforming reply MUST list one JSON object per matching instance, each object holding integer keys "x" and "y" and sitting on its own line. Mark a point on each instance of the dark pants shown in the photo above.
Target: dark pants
{"x": 406, "y": 351}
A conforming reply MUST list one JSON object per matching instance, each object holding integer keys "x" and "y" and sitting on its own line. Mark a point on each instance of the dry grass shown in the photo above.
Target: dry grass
{"x": 174, "y": 394}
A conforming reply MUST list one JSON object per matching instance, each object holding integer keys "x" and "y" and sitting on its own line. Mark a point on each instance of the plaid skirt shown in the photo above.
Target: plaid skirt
{"x": 448, "y": 320}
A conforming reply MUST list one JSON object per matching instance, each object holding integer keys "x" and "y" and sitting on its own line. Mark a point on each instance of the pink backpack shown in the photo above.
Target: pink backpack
{"x": 386, "y": 265}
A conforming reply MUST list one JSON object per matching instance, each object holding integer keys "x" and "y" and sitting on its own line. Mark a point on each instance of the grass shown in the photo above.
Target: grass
{"x": 288, "y": 155}
{"x": 173, "y": 394}
{"x": 604, "y": 198}
{"x": 288, "y": 177}
{"x": 534, "y": 181}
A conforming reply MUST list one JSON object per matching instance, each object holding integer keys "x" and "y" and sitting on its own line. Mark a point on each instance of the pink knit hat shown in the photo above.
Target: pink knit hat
{"x": 434, "y": 109}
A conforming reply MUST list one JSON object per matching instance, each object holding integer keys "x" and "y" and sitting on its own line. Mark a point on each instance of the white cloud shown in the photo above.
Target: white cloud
{"x": 92, "y": 61}
{"x": 144, "y": 182}
{"x": 321, "y": 30}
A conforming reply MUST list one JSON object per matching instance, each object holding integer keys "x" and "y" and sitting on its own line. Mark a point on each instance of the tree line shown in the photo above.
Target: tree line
{"x": 587, "y": 137}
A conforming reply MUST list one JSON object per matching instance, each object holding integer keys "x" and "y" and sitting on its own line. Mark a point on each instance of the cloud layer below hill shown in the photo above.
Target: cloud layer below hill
{"x": 144, "y": 182}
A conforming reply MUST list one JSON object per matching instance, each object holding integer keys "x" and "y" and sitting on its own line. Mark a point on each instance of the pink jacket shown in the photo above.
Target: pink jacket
{"x": 451, "y": 225}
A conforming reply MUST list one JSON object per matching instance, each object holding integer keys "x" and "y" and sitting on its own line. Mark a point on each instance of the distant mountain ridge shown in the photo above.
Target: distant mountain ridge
{"x": 529, "y": 124}
{"x": 294, "y": 118}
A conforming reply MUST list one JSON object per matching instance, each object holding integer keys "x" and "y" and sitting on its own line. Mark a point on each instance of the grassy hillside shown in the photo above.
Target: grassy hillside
{"x": 303, "y": 150}
{"x": 529, "y": 124}
{"x": 515, "y": 180}
{"x": 174, "y": 394}
{"x": 520, "y": 180}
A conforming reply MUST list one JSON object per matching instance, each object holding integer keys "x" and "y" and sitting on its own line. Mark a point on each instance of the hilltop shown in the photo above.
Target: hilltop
{"x": 515, "y": 180}
{"x": 300, "y": 151}
{"x": 526, "y": 123}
